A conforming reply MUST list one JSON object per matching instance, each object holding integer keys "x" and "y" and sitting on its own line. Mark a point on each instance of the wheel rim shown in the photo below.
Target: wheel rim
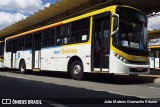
{"x": 77, "y": 70}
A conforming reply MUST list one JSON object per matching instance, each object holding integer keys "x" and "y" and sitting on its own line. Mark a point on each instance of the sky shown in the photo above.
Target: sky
{"x": 154, "y": 23}
{"x": 12, "y": 11}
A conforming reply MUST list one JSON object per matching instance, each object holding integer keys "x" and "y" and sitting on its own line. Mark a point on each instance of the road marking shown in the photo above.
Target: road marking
{"x": 17, "y": 77}
{"x": 155, "y": 88}
{"x": 113, "y": 92}
{"x": 99, "y": 90}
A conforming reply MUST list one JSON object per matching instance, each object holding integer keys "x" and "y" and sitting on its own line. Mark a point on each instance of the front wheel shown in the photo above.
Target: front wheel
{"x": 22, "y": 67}
{"x": 76, "y": 70}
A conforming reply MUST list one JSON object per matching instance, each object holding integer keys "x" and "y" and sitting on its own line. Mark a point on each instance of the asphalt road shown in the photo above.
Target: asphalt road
{"x": 57, "y": 89}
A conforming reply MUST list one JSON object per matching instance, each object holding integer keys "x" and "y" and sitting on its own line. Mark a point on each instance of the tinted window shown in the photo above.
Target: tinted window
{"x": 1, "y": 48}
{"x": 28, "y": 41}
{"x": 20, "y": 43}
{"x": 48, "y": 37}
{"x": 63, "y": 34}
{"x": 80, "y": 31}
{"x": 8, "y": 46}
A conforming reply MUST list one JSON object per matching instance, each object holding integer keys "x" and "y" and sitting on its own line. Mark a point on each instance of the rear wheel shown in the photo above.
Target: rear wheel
{"x": 76, "y": 70}
{"x": 22, "y": 67}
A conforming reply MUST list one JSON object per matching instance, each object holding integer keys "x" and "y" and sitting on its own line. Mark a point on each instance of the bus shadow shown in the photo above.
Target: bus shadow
{"x": 63, "y": 95}
{"x": 97, "y": 78}
{"x": 102, "y": 78}
{"x": 121, "y": 79}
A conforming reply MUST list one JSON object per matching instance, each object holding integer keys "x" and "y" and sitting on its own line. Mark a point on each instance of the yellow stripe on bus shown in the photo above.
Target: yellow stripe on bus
{"x": 154, "y": 47}
{"x": 130, "y": 57}
{"x": 36, "y": 30}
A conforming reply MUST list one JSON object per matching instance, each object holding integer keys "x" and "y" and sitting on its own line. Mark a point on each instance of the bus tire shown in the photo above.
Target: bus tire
{"x": 76, "y": 70}
{"x": 22, "y": 67}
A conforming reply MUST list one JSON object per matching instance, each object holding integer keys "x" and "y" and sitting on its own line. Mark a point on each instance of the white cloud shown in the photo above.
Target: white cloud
{"x": 22, "y": 6}
{"x": 7, "y": 19}
{"x": 154, "y": 23}
{"x": 13, "y": 11}
{"x": 47, "y": 4}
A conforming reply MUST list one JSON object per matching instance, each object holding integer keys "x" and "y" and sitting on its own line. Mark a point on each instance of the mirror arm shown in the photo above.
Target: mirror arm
{"x": 116, "y": 15}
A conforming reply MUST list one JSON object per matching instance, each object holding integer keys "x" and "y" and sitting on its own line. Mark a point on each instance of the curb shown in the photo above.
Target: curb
{"x": 157, "y": 80}
{"x": 141, "y": 78}
{"x": 151, "y": 78}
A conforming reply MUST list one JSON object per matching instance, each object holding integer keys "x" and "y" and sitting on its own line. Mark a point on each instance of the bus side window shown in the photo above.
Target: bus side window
{"x": 63, "y": 34}
{"x": 1, "y": 48}
{"x": 28, "y": 41}
{"x": 8, "y": 46}
{"x": 48, "y": 37}
{"x": 65, "y": 31}
{"x": 20, "y": 43}
{"x": 80, "y": 30}
{"x": 58, "y": 36}
{"x": 59, "y": 42}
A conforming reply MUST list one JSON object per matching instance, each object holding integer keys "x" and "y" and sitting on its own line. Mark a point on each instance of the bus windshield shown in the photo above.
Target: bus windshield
{"x": 132, "y": 29}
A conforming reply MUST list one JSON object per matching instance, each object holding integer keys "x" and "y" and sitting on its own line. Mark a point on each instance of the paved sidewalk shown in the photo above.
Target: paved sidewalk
{"x": 154, "y": 76}
{"x": 155, "y": 72}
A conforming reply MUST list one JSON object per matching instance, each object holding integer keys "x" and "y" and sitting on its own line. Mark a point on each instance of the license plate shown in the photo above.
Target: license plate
{"x": 139, "y": 69}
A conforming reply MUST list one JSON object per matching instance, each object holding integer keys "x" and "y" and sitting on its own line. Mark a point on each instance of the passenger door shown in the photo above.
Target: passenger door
{"x": 13, "y": 53}
{"x": 101, "y": 42}
{"x": 36, "y": 53}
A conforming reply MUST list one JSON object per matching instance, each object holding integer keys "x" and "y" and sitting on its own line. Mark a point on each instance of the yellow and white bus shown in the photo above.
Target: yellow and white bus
{"x": 154, "y": 56}
{"x": 1, "y": 54}
{"x": 109, "y": 40}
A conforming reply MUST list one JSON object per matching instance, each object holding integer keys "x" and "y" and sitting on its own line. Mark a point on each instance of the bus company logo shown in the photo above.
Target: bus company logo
{"x": 57, "y": 52}
{"x": 19, "y": 55}
{"x": 66, "y": 51}
{"x": 6, "y": 101}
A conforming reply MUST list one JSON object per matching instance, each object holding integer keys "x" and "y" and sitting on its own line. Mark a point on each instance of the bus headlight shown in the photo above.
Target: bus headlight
{"x": 125, "y": 60}
{"x": 120, "y": 58}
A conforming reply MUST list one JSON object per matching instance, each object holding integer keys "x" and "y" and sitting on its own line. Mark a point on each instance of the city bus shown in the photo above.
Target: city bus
{"x": 1, "y": 54}
{"x": 108, "y": 40}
